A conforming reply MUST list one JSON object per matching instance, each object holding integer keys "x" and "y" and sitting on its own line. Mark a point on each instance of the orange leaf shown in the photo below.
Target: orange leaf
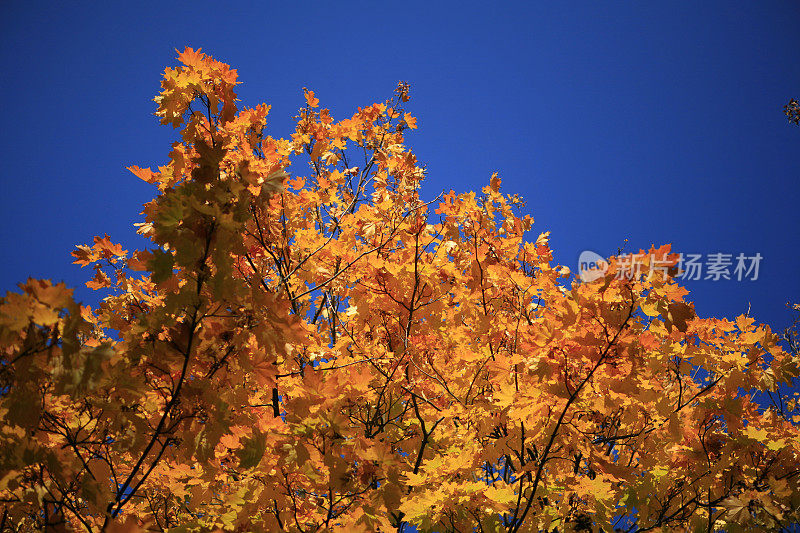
{"x": 311, "y": 100}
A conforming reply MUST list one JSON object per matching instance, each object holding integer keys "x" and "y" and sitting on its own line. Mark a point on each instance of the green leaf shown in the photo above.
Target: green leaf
{"x": 252, "y": 451}
{"x": 161, "y": 265}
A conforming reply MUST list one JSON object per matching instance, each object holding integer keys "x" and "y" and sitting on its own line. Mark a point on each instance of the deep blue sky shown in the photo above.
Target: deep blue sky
{"x": 652, "y": 123}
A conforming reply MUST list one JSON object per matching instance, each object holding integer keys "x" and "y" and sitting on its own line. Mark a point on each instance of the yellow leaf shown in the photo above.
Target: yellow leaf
{"x": 650, "y": 308}
{"x": 756, "y": 434}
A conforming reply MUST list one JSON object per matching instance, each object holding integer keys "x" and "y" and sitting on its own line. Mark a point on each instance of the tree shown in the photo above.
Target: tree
{"x": 792, "y": 111}
{"x": 331, "y": 352}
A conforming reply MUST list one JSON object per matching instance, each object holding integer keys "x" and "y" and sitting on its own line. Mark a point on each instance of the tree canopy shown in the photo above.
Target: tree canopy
{"x": 325, "y": 350}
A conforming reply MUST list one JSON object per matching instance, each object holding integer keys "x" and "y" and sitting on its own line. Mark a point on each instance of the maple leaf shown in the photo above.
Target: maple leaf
{"x": 160, "y": 264}
{"x": 144, "y": 174}
{"x": 84, "y": 255}
{"x": 190, "y": 57}
{"x": 678, "y": 315}
{"x": 252, "y": 451}
{"x": 311, "y": 100}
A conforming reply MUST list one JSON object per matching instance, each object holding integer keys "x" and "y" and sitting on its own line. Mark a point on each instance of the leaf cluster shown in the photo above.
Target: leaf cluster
{"x": 319, "y": 349}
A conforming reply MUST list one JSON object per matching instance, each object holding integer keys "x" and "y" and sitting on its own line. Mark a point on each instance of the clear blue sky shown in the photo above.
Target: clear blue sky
{"x": 656, "y": 123}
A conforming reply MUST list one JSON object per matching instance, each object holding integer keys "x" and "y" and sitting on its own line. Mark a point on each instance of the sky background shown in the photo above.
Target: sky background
{"x": 652, "y": 123}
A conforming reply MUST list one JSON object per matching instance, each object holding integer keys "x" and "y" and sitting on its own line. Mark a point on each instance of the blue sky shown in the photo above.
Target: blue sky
{"x": 656, "y": 123}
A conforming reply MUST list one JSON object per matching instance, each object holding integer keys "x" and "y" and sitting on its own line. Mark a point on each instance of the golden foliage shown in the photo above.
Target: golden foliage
{"x": 327, "y": 351}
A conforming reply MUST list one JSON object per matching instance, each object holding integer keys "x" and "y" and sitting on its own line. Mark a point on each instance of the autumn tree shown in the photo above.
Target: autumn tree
{"x": 792, "y": 111}
{"x": 323, "y": 350}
